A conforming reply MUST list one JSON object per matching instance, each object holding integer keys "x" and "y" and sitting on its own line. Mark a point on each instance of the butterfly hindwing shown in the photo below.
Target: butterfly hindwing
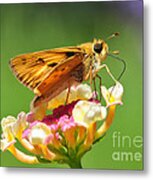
{"x": 64, "y": 72}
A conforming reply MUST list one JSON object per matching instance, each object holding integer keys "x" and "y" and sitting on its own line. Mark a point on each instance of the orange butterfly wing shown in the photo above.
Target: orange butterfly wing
{"x": 33, "y": 68}
{"x": 60, "y": 73}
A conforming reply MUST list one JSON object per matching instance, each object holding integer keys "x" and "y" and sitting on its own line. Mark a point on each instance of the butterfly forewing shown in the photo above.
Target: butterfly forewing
{"x": 33, "y": 68}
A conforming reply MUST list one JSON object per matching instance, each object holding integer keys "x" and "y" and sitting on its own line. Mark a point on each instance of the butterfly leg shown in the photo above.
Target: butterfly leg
{"x": 108, "y": 71}
{"x": 100, "y": 84}
{"x": 68, "y": 94}
{"x": 90, "y": 74}
{"x": 92, "y": 79}
{"x": 95, "y": 89}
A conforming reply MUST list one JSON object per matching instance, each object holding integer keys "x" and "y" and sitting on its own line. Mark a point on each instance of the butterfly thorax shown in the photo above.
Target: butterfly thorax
{"x": 96, "y": 53}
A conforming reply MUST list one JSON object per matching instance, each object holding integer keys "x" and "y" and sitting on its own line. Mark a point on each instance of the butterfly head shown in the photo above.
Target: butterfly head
{"x": 100, "y": 49}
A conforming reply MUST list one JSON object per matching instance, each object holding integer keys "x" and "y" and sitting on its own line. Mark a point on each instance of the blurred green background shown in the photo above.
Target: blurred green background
{"x": 33, "y": 27}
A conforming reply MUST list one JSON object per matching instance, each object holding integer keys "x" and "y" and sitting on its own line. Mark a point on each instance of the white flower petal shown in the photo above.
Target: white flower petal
{"x": 7, "y": 124}
{"x": 38, "y": 133}
{"x": 7, "y": 121}
{"x": 86, "y": 112}
{"x": 105, "y": 94}
{"x": 72, "y": 95}
{"x": 4, "y": 144}
{"x": 12, "y": 127}
{"x": 116, "y": 91}
{"x": 84, "y": 91}
{"x": 113, "y": 95}
{"x": 20, "y": 125}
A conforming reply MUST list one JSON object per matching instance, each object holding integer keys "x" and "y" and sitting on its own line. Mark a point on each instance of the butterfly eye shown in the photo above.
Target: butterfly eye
{"x": 98, "y": 48}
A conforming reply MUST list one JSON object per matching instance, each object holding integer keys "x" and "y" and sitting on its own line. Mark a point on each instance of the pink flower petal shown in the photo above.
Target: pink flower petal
{"x": 49, "y": 139}
{"x": 26, "y": 133}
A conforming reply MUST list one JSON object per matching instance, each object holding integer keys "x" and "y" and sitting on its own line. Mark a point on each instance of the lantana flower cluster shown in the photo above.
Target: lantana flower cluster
{"x": 67, "y": 132}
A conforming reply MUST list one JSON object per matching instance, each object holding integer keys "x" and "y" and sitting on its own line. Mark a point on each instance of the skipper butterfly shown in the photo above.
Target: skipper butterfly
{"x": 47, "y": 73}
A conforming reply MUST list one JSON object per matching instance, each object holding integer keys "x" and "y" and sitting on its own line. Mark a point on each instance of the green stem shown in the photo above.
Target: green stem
{"x": 75, "y": 163}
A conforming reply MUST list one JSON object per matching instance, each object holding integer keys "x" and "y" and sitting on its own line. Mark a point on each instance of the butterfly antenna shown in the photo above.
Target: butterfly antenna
{"x": 113, "y": 35}
{"x": 124, "y": 65}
